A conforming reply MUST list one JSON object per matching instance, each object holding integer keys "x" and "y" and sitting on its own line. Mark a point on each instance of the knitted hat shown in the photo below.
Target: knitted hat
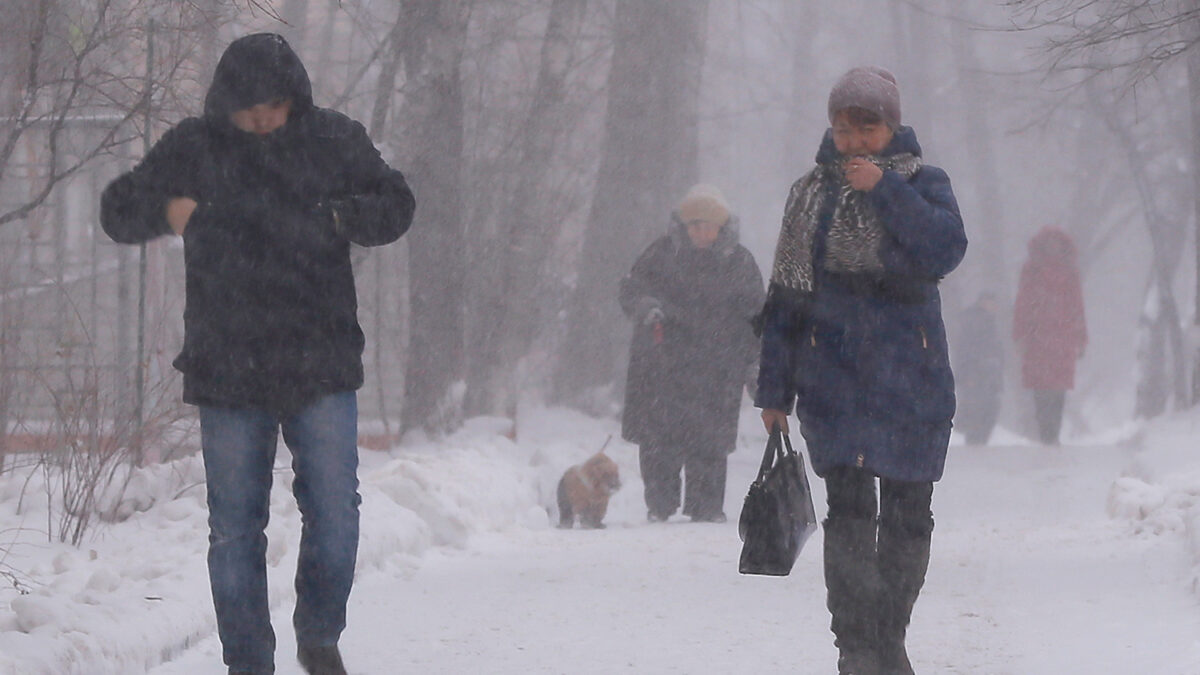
{"x": 704, "y": 202}
{"x": 869, "y": 87}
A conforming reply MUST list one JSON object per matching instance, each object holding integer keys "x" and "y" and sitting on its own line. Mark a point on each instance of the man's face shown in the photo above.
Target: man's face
{"x": 263, "y": 118}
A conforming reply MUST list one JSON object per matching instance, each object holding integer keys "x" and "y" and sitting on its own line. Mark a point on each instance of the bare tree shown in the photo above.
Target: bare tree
{"x": 391, "y": 53}
{"x": 1163, "y": 363}
{"x": 528, "y": 228}
{"x": 1113, "y": 48}
{"x": 649, "y": 158}
{"x": 1152, "y": 33}
{"x": 80, "y": 86}
{"x": 913, "y": 32}
{"x": 1193, "y": 80}
{"x": 69, "y": 64}
{"x": 982, "y": 151}
{"x": 57, "y": 86}
{"x": 433, "y": 43}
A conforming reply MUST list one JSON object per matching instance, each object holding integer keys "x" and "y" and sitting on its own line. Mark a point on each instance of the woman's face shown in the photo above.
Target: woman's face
{"x": 263, "y": 118}
{"x": 703, "y": 233}
{"x": 856, "y": 140}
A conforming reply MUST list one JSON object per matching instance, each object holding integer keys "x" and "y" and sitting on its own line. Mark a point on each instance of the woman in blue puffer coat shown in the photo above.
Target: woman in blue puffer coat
{"x": 852, "y": 336}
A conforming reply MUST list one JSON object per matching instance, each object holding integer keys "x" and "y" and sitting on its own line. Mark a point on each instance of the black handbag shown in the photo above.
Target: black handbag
{"x": 777, "y": 516}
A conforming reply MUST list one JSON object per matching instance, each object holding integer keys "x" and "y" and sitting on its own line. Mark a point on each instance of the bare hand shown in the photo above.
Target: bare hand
{"x": 179, "y": 211}
{"x": 771, "y": 418}
{"x": 862, "y": 174}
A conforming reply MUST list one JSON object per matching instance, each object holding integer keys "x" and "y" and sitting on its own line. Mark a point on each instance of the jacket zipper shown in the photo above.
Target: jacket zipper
{"x": 924, "y": 341}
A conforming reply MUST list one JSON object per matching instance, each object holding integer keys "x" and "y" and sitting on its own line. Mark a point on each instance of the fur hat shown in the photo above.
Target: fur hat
{"x": 869, "y": 87}
{"x": 704, "y": 202}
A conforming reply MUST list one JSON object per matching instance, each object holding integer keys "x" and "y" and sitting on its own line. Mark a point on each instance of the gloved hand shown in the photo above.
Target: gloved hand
{"x": 649, "y": 310}
{"x": 655, "y": 315}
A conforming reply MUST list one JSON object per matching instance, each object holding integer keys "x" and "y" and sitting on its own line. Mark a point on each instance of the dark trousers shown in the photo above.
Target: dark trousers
{"x": 903, "y": 505}
{"x": 704, "y": 491}
{"x": 876, "y": 554}
{"x": 1048, "y": 408}
{"x": 976, "y": 418}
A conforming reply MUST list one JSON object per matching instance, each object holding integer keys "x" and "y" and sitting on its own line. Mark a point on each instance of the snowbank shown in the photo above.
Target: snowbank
{"x": 137, "y": 593}
{"x": 1160, "y": 490}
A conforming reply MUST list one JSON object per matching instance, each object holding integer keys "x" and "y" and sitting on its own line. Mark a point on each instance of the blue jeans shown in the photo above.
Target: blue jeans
{"x": 239, "y": 453}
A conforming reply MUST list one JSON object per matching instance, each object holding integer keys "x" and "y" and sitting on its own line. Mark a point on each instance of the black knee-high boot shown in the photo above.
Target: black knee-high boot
{"x": 905, "y": 529}
{"x": 852, "y": 581}
{"x": 903, "y": 560}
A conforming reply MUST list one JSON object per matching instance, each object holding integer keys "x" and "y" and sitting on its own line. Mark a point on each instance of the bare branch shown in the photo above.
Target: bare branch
{"x": 1089, "y": 37}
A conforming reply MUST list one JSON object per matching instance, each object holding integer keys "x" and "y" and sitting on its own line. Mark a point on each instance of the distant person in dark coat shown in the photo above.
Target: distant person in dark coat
{"x": 268, "y": 192}
{"x": 978, "y": 370}
{"x": 1049, "y": 326}
{"x": 691, "y": 296}
{"x": 853, "y": 336}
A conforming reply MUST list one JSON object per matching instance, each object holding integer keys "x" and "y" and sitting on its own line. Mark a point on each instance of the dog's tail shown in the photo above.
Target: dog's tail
{"x": 566, "y": 515}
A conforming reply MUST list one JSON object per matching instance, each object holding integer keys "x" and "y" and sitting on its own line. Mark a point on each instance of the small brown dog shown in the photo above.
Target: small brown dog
{"x": 584, "y": 491}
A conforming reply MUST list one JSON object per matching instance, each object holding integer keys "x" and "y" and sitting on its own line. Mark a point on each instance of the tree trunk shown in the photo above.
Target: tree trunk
{"x": 324, "y": 48}
{"x": 912, "y": 35}
{"x": 295, "y": 15}
{"x": 527, "y": 232}
{"x": 649, "y": 159}
{"x": 985, "y": 175}
{"x": 1193, "y": 70}
{"x": 803, "y": 18}
{"x": 374, "y": 264}
{"x": 435, "y": 32}
{"x": 1161, "y": 331}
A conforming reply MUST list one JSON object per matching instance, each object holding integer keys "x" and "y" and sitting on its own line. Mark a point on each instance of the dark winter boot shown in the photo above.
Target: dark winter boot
{"x": 852, "y": 582}
{"x": 321, "y": 660}
{"x": 903, "y": 559}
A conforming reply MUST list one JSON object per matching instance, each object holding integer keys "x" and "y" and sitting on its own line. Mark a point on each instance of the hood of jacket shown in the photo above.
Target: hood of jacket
{"x": 903, "y": 140}
{"x": 1052, "y": 246}
{"x": 256, "y": 69}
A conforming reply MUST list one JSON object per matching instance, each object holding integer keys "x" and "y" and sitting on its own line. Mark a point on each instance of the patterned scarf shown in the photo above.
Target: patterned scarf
{"x": 852, "y": 244}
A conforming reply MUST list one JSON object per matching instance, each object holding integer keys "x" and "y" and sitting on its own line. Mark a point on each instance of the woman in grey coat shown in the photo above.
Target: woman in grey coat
{"x": 691, "y": 295}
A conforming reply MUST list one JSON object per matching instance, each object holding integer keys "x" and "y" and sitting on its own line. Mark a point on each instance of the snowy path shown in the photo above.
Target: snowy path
{"x": 1029, "y": 577}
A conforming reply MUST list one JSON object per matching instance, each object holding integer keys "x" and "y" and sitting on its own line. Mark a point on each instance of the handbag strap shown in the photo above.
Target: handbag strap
{"x": 787, "y": 441}
{"x": 775, "y": 443}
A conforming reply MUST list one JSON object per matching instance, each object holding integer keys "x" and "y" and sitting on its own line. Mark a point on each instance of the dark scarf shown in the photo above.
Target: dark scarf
{"x": 852, "y": 244}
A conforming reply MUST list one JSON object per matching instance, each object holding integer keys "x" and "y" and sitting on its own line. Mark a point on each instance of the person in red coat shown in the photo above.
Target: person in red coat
{"x": 1049, "y": 325}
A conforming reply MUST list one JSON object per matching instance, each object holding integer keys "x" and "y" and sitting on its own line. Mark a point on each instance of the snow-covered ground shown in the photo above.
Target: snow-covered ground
{"x": 1076, "y": 559}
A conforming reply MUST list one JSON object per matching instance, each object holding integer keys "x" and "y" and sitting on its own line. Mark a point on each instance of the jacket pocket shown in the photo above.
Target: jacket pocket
{"x": 907, "y": 373}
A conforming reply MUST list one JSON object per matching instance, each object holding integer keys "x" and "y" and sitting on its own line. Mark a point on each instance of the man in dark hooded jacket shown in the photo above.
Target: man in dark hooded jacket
{"x": 268, "y": 192}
